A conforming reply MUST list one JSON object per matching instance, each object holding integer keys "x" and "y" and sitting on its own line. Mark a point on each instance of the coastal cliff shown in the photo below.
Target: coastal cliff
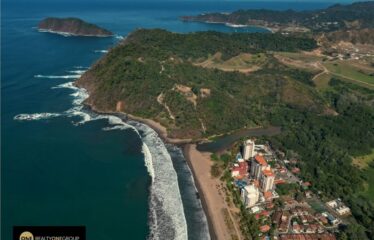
{"x": 73, "y": 27}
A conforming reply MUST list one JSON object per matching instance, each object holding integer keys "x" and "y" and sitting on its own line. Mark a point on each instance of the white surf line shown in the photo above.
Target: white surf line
{"x": 166, "y": 205}
{"x": 55, "y": 76}
{"x": 81, "y": 67}
{"x": 166, "y": 202}
{"x": 148, "y": 161}
{"x": 101, "y": 51}
{"x": 78, "y": 72}
{"x": 119, "y": 37}
{"x": 35, "y": 116}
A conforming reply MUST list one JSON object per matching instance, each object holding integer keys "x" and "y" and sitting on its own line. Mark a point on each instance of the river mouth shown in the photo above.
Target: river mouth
{"x": 224, "y": 142}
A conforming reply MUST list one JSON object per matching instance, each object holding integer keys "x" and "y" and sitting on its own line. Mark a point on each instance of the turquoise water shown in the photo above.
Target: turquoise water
{"x": 67, "y": 169}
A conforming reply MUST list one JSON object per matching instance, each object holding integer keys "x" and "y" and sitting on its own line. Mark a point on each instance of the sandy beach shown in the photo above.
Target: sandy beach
{"x": 213, "y": 199}
{"x": 212, "y": 196}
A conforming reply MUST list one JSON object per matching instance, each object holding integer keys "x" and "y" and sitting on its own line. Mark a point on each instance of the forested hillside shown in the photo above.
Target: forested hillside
{"x": 156, "y": 74}
{"x": 201, "y": 84}
{"x": 357, "y": 16}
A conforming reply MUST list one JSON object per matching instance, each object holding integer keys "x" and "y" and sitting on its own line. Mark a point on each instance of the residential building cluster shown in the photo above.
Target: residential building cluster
{"x": 257, "y": 176}
{"x": 339, "y": 207}
{"x": 257, "y": 172}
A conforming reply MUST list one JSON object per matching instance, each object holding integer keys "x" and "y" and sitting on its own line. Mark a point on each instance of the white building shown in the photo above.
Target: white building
{"x": 339, "y": 207}
{"x": 343, "y": 210}
{"x": 267, "y": 179}
{"x": 248, "y": 149}
{"x": 258, "y": 164}
{"x": 250, "y": 195}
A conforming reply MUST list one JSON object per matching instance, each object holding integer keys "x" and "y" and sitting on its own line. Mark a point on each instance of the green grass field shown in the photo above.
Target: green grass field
{"x": 316, "y": 206}
{"x": 243, "y": 62}
{"x": 349, "y": 72}
{"x": 322, "y": 81}
{"x": 369, "y": 192}
{"x": 299, "y": 56}
{"x": 363, "y": 163}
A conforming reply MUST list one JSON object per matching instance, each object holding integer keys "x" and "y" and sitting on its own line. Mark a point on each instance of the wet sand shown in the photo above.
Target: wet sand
{"x": 213, "y": 199}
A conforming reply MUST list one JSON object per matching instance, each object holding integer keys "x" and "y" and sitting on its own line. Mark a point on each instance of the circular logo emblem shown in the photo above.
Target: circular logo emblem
{"x": 26, "y": 236}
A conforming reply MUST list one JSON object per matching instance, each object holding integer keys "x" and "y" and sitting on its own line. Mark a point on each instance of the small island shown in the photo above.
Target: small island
{"x": 72, "y": 27}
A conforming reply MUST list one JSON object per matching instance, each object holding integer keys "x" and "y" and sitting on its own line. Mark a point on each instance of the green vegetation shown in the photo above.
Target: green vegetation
{"x": 248, "y": 223}
{"x": 364, "y": 161}
{"x": 287, "y": 188}
{"x": 322, "y": 81}
{"x": 244, "y": 62}
{"x": 369, "y": 179}
{"x": 151, "y": 62}
{"x": 366, "y": 164}
{"x": 356, "y": 15}
{"x": 220, "y": 164}
{"x": 326, "y": 145}
{"x": 74, "y": 26}
{"x": 347, "y": 71}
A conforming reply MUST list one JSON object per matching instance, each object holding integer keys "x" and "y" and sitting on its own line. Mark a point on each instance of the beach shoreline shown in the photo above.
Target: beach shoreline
{"x": 186, "y": 148}
{"x": 189, "y": 150}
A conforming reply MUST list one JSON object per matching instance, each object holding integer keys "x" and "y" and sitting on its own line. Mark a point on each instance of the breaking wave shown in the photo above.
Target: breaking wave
{"x": 35, "y": 116}
{"x": 119, "y": 37}
{"x": 148, "y": 161}
{"x": 78, "y": 72}
{"x": 101, "y": 51}
{"x": 81, "y": 67}
{"x": 55, "y": 76}
{"x": 166, "y": 218}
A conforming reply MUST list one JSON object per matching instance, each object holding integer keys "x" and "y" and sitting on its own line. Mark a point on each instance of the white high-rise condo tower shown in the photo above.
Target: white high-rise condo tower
{"x": 248, "y": 149}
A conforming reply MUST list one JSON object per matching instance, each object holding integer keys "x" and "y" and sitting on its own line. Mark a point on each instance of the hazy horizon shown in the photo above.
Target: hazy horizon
{"x": 286, "y": 1}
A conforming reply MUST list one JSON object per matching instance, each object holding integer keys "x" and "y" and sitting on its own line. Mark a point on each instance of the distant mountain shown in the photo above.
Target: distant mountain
{"x": 72, "y": 26}
{"x": 337, "y": 17}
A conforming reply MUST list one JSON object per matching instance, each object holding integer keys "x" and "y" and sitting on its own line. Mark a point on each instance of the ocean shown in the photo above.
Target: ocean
{"x": 64, "y": 165}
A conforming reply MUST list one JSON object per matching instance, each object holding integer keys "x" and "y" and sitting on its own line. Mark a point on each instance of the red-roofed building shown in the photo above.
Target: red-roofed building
{"x": 307, "y": 184}
{"x": 240, "y": 170}
{"x": 296, "y": 228}
{"x": 268, "y": 195}
{"x": 265, "y": 213}
{"x": 295, "y": 170}
{"x": 258, "y": 164}
{"x": 260, "y": 160}
{"x": 279, "y": 181}
{"x": 265, "y": 228}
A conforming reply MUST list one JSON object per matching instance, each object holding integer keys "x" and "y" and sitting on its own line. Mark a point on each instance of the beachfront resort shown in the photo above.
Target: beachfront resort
{"x": 283, "y": 204}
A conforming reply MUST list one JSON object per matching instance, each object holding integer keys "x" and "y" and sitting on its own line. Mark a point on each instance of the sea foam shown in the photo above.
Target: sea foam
{"x": 78, "y": 72}
{"x": 167, "y": 219}
{"x": 56, "y": 76}
{"x": 119, "y": 37}
{"x": 35, "y": 116}
{"x": 101, "y": 51}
